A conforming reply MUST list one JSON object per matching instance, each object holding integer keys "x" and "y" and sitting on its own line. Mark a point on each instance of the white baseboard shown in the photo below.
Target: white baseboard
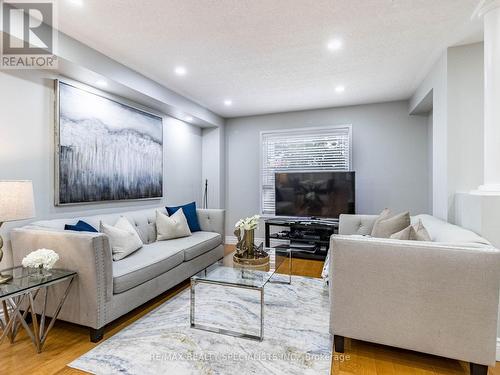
{"x": 231, "y": 240}
{"x": 498, "y": 348}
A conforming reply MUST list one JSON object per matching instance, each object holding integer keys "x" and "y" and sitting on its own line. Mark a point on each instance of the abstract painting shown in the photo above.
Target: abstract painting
{"x": 106, "y": 150}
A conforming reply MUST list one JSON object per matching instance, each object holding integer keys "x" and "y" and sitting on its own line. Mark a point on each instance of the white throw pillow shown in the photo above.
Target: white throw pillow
{"x": 170, "y": 227}
{"x": 123, "y": 238}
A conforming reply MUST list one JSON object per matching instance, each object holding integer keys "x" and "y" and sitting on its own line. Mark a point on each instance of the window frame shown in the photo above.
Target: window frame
{"x": 295, "y": 130}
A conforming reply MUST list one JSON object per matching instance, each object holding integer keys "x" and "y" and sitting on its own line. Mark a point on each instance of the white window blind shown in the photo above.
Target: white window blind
{"x": 317, "y": 149}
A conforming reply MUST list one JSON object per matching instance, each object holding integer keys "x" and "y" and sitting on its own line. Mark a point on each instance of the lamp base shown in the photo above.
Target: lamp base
{"x": 5, "y": 278}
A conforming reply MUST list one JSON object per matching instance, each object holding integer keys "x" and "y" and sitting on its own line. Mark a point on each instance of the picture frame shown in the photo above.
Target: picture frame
{"x": 107, "y": 149}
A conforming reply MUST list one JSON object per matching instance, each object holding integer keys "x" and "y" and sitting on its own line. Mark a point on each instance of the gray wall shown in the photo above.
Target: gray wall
{"x": 456, "y": 85}
{"x": 27, "y": 150}
{"x": 465, "y": 121}
{"x": 430, "y": 167}
{"x": 435, "y": 84}
{"x": 213, "y": 165}
{"x": 390, "y": 157}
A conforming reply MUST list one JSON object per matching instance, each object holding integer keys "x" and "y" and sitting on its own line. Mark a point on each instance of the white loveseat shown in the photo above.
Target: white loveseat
{"x": 107, "y": 289}
{"x": 438, "y": 297}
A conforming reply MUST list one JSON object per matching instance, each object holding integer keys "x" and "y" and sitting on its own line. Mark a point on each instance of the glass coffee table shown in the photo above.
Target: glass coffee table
{"x": 228, "y": 274}
{"x": 21, "y": 292}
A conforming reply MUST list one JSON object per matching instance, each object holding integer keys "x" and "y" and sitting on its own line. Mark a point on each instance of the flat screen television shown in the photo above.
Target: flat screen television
{"x": 315, "y": 194}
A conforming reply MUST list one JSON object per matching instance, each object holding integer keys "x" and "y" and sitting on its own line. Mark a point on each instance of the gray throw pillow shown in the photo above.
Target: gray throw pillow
{"x": 421, "y": 234}
{"x": 385, "y": 214}
{"x": 415, "y": 232}
{"x": 386, "y": 225}
{"x": 404, "y": 234}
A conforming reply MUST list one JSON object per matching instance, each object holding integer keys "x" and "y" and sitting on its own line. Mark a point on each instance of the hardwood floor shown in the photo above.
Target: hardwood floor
{"x": 67, "y": 342}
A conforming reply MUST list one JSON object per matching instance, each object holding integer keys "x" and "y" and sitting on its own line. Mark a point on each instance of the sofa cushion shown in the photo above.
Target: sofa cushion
{"x": 196, "y": 244}
{"x": 387, "y": 224}
{"x": 441, "y": 231}
{"x": 144, "y": 222}
{"x": 145, "y": 264}
{"x": 356, "y": 224}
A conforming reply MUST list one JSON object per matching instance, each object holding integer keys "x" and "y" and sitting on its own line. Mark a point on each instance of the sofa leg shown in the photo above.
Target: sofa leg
{"x": 96, "y": 335}
{"x": 338, "y": 343}
{"x": 476, "y": 369}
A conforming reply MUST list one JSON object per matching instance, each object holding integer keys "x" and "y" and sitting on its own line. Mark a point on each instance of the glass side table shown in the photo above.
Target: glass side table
{"x": 21, "y": 292}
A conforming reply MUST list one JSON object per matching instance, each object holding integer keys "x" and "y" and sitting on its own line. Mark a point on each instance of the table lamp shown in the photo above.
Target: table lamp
{"x": 16, "y": 203}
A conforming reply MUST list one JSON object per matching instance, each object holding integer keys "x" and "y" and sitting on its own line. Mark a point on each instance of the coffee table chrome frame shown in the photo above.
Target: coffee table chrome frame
{"x": 223, "y": 331}
{"x": 289, "y": 282}
{"x": 195, "y": 280}
{"x": 15, "y": 319}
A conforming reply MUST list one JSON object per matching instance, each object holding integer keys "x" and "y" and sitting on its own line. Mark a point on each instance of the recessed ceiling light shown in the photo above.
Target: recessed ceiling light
{"x": 339, "y": 89}
{"x": 189, "y": 118}
{"x": 228, "y": 102}
{"x": 180, "y": 71}
{"x": 335, "y": 44}
{"x": 102, "y": 83}
{"x": 78, "y": 3}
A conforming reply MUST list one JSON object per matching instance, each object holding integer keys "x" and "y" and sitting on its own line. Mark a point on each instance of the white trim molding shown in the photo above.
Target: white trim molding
{"x": 498, "y": 348}
{"x": 231, "y": 240}
{"x": 484, "y": 7}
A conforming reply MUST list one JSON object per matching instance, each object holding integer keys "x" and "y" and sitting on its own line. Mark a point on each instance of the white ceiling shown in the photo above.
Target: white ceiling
{"x": 270, "y": 55}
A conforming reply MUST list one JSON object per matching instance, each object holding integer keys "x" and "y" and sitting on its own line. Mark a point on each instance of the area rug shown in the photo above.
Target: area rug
{"x": 296, "y": 337}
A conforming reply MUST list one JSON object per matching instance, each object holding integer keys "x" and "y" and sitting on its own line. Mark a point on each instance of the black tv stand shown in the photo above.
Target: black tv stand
{"x": 309, "y": 238}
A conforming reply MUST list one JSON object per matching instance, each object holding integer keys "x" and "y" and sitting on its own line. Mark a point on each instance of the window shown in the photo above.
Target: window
{"x": 313, "y": 149}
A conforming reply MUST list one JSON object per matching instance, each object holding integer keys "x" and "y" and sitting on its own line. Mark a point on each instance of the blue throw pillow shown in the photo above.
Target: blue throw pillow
{"x": 190, "y": 213}
{"x": 81, "y": 226}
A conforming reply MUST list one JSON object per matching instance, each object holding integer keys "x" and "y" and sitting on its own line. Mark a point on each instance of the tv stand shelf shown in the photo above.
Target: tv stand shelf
{"x": 275, "y": 237}
{"x": 308, "y": 238}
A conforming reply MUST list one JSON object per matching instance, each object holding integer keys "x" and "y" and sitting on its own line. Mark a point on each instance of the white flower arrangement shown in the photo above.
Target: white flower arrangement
{"x": 249, "y": 223}
{"x": 41, "y": 258}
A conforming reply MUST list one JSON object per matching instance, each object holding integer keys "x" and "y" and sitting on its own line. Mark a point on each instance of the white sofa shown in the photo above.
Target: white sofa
{"x": 438, "y": 297}
{"x": 107, "y": 289}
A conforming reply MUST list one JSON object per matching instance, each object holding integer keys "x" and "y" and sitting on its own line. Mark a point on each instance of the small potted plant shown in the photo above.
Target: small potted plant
{"x": 247, "y": 253}
{"x": 245, "y": 232}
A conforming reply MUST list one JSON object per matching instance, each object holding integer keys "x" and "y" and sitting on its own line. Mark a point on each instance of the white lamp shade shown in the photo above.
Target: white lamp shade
{"x": 16, "y": 200}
